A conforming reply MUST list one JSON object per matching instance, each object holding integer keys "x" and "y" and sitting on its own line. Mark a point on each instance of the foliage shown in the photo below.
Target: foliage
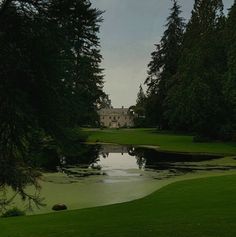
{"x": 13, "y": 212}
{"x": 139, "y": 110}
{"x": 230, "y": 78}
{"x": 163, "y": 67}
{"x": 51, "y": 81}
{"x": 191, "y": 77}
{"x": 105, "y": 103}
{"x": 196, "y": 103}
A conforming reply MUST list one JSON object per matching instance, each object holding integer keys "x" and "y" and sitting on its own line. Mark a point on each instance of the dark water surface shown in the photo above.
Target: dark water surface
{"x": 114, "y": 160}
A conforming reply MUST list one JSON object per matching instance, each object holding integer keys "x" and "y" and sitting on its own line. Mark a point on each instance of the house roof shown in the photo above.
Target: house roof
{"x": 113, "y": 111}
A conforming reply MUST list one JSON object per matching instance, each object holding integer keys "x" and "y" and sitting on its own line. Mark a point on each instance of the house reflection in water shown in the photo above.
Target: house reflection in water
{"x": 106, "y": 149}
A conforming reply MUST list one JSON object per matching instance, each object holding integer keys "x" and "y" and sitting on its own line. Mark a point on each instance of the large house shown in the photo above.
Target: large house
{"x": 116, "y": 118}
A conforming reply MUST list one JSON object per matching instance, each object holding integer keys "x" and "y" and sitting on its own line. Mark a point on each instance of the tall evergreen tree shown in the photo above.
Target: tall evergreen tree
{"x": 140, "y": 103}
{"x": 230, "y": 82}
{"x": 84, "y": 46}
{"x": 163, "y": 66}
{"x": 50, "y": 76}
{"x": 196, "y": 103}
{"x": 139, "y": 110}
{"x": 141, "y": 97}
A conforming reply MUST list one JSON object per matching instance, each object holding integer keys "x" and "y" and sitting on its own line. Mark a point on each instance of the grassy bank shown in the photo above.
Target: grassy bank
{"x": 168, "y": 142}
{"x": 195, "y": 208}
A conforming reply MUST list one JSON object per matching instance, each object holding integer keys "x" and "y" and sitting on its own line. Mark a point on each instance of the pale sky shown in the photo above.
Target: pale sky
{"x": 128, "y": 34}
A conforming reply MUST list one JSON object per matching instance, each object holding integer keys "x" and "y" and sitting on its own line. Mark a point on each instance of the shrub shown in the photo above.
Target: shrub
{"x": 59, "y": 207}
{"x": 13, "y": 212}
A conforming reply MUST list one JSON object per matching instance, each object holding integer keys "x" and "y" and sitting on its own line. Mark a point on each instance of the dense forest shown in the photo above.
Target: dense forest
{"x": 51, "y": 82}
{"x": 191, "y": 82}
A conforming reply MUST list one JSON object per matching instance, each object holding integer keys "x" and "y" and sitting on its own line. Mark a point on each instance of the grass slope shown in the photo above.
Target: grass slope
{"x": 194, "y": 208}
{"x": 168, "y": 142}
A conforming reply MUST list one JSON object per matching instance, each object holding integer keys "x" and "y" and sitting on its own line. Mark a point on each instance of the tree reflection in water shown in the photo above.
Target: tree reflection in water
{"x": 174, "y": 162}
{"x": 16, "y": 175}
{"x": 139, "y": 155}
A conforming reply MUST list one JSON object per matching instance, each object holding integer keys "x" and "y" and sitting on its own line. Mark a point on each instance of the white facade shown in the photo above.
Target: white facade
{"x": 116, "y": 118}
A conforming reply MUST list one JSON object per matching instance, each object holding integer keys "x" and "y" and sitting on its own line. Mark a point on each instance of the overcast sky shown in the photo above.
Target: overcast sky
{"x": 128, "y": 34}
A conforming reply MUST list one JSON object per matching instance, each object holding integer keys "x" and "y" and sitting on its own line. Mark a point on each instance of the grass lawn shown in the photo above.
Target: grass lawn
{"x": 194, "y": 208}
{"x": 168, "y": 142}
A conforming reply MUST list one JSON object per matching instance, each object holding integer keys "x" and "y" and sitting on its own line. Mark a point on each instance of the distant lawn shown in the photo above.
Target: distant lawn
{"x": 195, "y": 208}
{"x": 168, "y": 142}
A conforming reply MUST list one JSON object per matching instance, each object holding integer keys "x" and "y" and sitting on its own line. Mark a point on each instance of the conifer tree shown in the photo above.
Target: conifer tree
{"x": 141, "y": 97}
{"x": 84, "y": 43}
{"x": 50, "y": 77}
{"x": 140, "y": 108}
{"x": 196, "y": 103}
{"x": 230, "y": 82}
{"x": 163, "y": 66}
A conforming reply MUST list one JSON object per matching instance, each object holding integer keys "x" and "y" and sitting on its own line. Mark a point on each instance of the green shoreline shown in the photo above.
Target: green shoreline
{"x": 164, "y": 142}
{"x": 165, "y": 151}
{"x": 204, "y": 205}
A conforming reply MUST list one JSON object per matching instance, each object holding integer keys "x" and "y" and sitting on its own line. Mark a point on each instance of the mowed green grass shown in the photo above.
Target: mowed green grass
{"x": 168, "y": 142}
{"x": 194, "y": 208}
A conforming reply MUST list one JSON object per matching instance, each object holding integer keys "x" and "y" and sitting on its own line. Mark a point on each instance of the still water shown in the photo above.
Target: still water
{"x": 108, "y": 174}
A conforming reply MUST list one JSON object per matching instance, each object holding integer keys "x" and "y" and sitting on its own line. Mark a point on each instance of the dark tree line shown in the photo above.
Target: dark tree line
{"x": 191, "y": 76}
{"x": 50, "y": 79}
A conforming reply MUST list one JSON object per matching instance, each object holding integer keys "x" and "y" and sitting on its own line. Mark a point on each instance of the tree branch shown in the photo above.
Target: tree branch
{"x": 4, "y": 5}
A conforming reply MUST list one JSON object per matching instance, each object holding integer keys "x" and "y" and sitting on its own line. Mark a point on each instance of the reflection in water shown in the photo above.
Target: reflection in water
{"x": 103, "y": 160}
{"x": 113, "y": 160}
{"x": 17, "y": 175}
{"x": 83, "y": 155}
{"x": 98, "y": 167}
{"x": 119, "y": 174}
{"x": 174, "y": 162}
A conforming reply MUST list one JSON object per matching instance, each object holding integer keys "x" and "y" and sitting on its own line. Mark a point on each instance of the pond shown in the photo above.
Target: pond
{"x": 110, "y": 174}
